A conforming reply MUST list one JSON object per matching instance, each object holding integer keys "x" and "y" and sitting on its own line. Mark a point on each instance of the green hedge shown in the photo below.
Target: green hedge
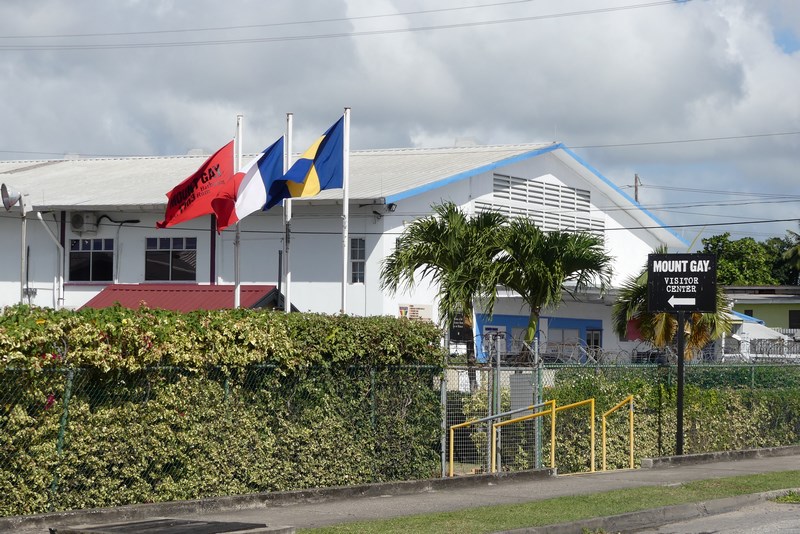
{"x": 721, "y": 411}
{"x": 110, "y": 407}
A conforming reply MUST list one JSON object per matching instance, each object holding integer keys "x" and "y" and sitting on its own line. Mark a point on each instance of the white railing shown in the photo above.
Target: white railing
{"x": 746, "y": 349}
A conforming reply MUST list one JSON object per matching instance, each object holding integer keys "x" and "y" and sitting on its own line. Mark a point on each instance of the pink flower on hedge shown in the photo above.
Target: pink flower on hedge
{"x": 51, "y": 400}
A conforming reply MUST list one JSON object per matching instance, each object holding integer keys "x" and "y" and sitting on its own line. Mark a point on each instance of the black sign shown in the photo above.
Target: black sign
{"x": 461, "y": 331}
{"x": 681, "y": 282}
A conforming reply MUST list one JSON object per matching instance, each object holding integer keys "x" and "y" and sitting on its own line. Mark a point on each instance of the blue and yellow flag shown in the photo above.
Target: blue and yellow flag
{"x": 320, "y": 167}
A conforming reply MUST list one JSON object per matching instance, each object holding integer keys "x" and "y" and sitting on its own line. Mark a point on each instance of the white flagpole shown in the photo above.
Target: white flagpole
{"x": 287, "y": 218}
{"x": 345, "y": 206}
{"x": 237, "y": 241}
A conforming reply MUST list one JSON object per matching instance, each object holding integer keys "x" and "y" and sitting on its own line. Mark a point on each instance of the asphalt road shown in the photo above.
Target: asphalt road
{"x": 762, "y": 518}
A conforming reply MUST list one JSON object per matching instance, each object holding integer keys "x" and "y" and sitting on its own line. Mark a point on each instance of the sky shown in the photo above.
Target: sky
{"x": 700, "y": 99}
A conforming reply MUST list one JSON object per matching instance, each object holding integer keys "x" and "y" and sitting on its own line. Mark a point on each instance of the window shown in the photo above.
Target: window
{"x": 563, "y": 335}
{"x": 170, "y": 258}
{"x": 594, "y": 338}
{"x": 91, "y": 260}
{"x": 357, "y": 260}
{"x": 749, "y": 313}
{"x": 794, "y": 318}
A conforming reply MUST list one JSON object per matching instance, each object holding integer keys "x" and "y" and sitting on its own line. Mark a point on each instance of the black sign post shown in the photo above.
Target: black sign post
{"x": 680, "y": 283}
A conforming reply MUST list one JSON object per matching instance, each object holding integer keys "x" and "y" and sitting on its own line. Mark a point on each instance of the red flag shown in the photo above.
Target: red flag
{"x": 192, "y": 197}
{"x": 224, "y": 202}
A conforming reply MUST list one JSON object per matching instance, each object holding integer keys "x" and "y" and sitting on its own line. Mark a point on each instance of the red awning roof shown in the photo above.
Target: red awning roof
{"x": 184, "y": 297}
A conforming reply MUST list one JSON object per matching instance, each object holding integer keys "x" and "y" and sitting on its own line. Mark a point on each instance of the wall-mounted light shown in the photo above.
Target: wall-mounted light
{"x": 10, "y": 198}
{"x": 391, "y": 207}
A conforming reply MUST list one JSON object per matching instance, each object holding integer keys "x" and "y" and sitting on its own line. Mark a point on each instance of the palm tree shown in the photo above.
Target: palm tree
{"x": 792, "y": 255}
{"x": 660, "y": 328}
{"x": 454, "y": 250}
{"x": 540, "y": 266}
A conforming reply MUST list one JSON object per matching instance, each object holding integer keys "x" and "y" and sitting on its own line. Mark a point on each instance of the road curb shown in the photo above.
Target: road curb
{"x": 135, "y": 512}
{"x": 721, "y": 456}
{"x": 654, "y": 517}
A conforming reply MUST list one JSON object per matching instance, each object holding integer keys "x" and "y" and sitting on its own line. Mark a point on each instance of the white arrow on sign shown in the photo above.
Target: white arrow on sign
{"x": 675, "y": 301}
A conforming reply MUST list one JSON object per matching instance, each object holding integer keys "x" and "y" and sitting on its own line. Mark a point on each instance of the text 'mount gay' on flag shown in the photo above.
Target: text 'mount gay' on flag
{"x": 193, "y": 197}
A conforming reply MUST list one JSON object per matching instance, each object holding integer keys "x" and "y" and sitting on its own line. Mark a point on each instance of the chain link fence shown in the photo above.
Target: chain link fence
{"x": 80, "y": 438}
{"x": 74, "y": 438}
{"x": 727, "y": 406}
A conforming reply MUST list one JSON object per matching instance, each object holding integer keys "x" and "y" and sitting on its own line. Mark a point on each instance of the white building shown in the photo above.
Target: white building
{"x": 92, "y": 222}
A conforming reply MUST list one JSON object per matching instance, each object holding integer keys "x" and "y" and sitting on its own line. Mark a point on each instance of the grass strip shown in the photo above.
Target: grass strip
{"x": 792, "y": 497}
{"x": 565, "y": 509}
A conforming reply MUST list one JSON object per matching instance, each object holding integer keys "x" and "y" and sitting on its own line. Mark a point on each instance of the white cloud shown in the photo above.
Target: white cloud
{"x": 687, "y": 70}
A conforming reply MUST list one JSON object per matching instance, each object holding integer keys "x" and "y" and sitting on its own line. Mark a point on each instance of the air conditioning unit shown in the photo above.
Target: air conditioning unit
{"x": 83, "y": 222}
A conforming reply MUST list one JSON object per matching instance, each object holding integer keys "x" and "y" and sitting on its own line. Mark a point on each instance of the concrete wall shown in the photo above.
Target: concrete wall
{"x": 774, "y": 315}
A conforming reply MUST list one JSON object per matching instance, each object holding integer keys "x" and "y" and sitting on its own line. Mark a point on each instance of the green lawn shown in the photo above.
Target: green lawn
{"x": 564, "y": 509}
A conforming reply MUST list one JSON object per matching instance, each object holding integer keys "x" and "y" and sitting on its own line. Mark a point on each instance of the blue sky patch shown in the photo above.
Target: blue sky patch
{"x": 787, "y": 40}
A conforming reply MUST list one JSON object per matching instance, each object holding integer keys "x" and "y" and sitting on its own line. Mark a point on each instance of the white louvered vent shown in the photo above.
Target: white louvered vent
{"x": 550, "y": 206}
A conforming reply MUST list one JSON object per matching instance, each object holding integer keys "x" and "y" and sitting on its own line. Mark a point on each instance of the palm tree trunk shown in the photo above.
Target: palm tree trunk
{"x": 533, "y": 323}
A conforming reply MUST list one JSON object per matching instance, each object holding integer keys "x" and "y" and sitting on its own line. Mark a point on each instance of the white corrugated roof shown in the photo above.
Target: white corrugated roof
{"x": 379, "y": 176}
{"x": 103, "y": 183}
{"x": 142, "y": 182}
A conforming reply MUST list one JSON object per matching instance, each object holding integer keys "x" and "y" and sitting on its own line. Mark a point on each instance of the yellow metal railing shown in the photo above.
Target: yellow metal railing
{"x": 627, "y": 400}
{"x": 550, "y": 411}
{"x": 483, "y": 420}
{"x": 590, "y": 402}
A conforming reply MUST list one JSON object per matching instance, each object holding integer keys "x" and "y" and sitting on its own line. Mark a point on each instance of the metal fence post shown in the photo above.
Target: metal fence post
{"x": 537, "y": 399}
{"x": 490, "y": 443}
{"x": 490, "y": 385}
{"x": 660, "y": 416}
{"x": 498, "y": 404}
{"x": 62, "y": 430}
{"x": 443, "y": 400}
{"x": 373, "y": 404}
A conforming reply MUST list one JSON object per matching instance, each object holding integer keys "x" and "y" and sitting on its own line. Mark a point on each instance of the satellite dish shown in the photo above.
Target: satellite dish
{"x": 9, "y": 198}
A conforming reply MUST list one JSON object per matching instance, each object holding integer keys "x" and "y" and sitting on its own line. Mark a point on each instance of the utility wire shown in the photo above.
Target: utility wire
{"x": 266, "y": 25}
{"x": 666, "y": 207}
{"x": 307, "y": 37}
{"x": 706, "y": 214}
{"x": 390, "y": 152}
{"x": 697, "y": 140}
{"x": 720, "y": 192}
